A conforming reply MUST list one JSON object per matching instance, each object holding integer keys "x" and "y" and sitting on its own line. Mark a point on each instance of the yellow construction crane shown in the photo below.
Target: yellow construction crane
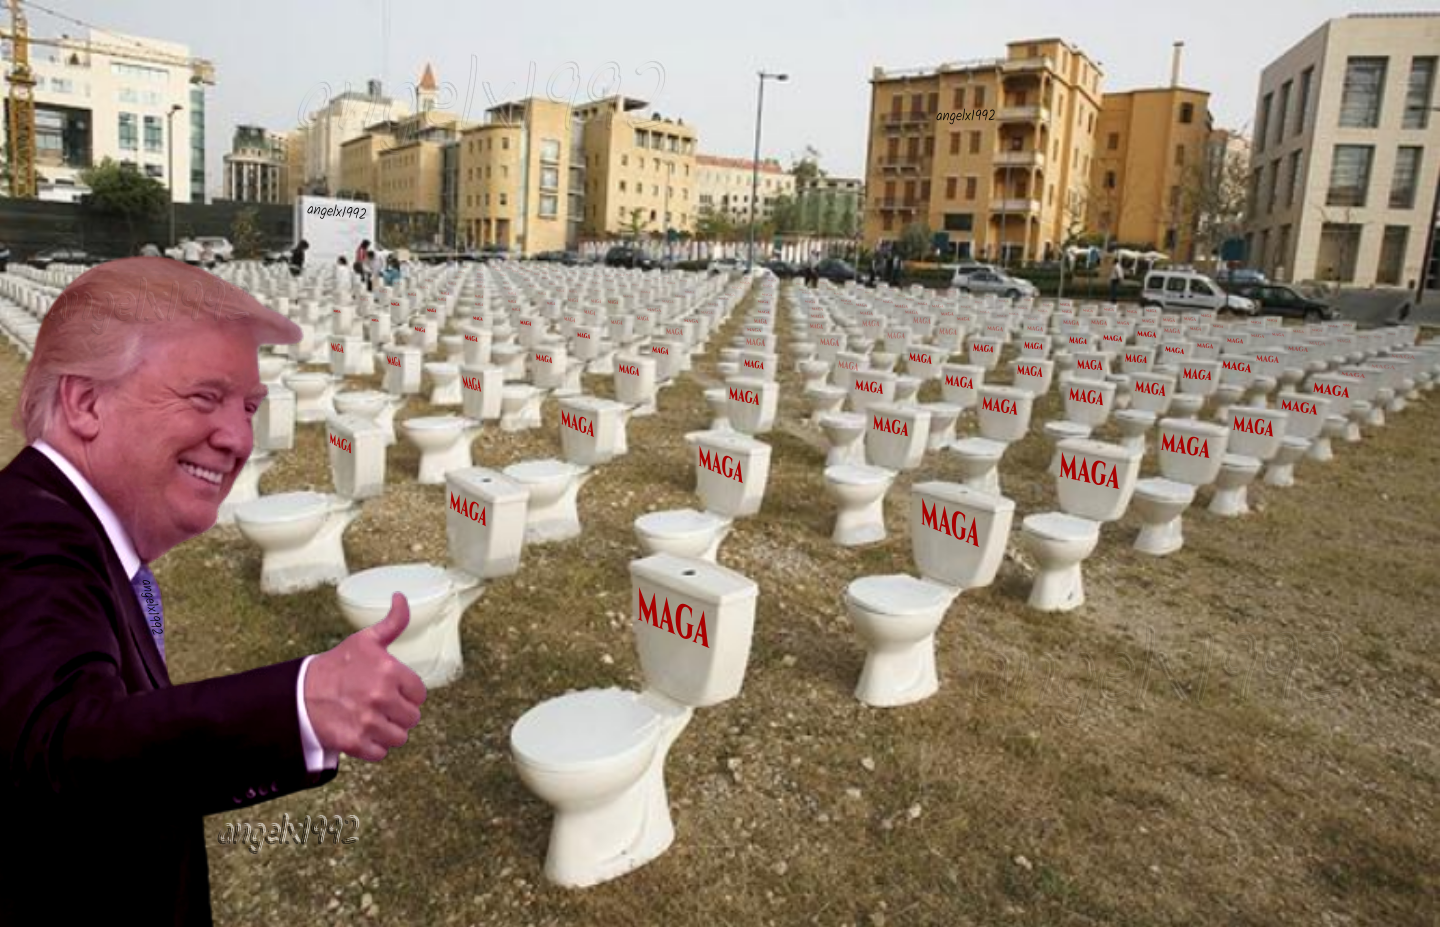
{"x": 23, "y": 182}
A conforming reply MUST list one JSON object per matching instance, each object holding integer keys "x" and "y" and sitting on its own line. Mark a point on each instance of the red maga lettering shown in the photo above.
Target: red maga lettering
{"x": 647, "y": 613}
{"x": 1190, "y": 447}
{"x": 951, "y": 524}
{"x": 577, "y": 423}
{"x": 893, "y": 426}
{"x": 725, "y": 466}
{"x": 632, "y": 369}
{"x": 747, "y": 396}
{"x": 1005, "y": 406}
{"x": 1092, "y": 397}
{"x": 342, "y": 443}
{"x": 1093, "y": 473}
{"x": 1252, "y": 426}
{"x": 468, "y": 508}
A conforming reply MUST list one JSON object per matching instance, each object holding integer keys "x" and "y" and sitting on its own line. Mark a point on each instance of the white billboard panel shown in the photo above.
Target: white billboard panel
{"x": 334, "y": 228}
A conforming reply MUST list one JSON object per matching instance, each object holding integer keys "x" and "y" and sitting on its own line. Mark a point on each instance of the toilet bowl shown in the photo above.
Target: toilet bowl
{"x": 1095, "y": 483}
{"x": 246, "y": 487}
{"x": 312, "y": 395}
{"x": 376, "y": 406}
{"x": 1190, "y": 454}
{"x": 896, "y": 439}
{"x": 1255, "y": 437}
{"x": 552, "y": 513}
{"x": 445, "y": 384}
{"x": 437, "y": 598}
{"x": 520, "y": 407}
{"x": 1004, "y": 417}
{"x": 731, "y": 474}
{"x": 844, "y": 431}
{"x": 597, "y": 757}
{"x": 957, "y": 538}
{"x": 300, "y": 535}
{"x": 1280, "y": 472}
{"x": 943, "y": 417}
{"x": 683, "y": 533}
{"x": 824, "y": 400}
{"x": 1058, "y": 432}
{"x": 444, "y": 444}
{"x": 718, "y": 400}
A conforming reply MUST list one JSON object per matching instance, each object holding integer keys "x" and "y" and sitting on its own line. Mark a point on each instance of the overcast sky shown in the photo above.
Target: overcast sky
{"x": 275, "y": 60}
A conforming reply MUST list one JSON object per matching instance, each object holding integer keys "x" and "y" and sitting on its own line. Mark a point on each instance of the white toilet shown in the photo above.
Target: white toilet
{"x": 844, "y": 433}
{"x": 597, "y": 757}
{"x": 957, "y": 537}
{"x": 896, "y": 439}
{"x": 520, "y": 407}
{"x": 300, "y": 533}
{"x": 444, "y": 443}
{"x": 312, "y": 395}
{"x": 1095, "y": 483}
{"x": 592, "y": 430}
{"x": 484, "y": 526}
{"x": 1190, "y": 453}
{"x": 553, "y": 512}
{"x": 444, "y": 384}
{"x": 731, "y": 473}
{"x": 1305, "y": 431}
{"x": 246, "y": 487}
{"x": 1004, "y": 417}
{"x": 752, "y": 404}
{"x": 1255, "y": 437}
{"x": 1149, "y": 401}
{"x": 374, "y": 405}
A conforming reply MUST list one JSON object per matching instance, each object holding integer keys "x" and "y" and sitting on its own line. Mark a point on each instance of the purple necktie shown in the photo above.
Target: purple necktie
{"x": 148, "y": 591}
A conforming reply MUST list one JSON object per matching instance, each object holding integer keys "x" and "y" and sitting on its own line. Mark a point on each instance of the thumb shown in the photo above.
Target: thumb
{"x": 393, "y": 624}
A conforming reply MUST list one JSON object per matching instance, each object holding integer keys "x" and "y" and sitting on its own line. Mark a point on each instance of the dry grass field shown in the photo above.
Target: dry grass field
{"x": 1246, "y": 733}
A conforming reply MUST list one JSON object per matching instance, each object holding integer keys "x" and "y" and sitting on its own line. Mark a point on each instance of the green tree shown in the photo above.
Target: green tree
{"x": 712, "y": 226}
{"x": 785, "y": 215}
{"x": 915, "y": 241}
{"x": 121, "y": 190}
{"x": 807, "y": 167}
{"x": 245, "y": 235}
{"x": 634, "y": 226}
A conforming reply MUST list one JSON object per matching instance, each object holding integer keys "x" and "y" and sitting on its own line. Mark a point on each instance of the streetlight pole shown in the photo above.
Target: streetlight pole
{"x": 755, "y": 164}
{"x": 170, "y": 164}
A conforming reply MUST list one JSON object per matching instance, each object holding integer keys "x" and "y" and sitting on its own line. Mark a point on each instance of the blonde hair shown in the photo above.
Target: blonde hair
{"x": 97, "y": 325}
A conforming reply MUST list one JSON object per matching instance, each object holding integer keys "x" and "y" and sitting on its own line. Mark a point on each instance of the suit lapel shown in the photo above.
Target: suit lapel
{"x": 39, "y": 468}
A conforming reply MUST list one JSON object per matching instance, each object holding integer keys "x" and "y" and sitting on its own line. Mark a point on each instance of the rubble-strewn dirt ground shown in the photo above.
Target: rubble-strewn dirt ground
{"x": 1244, "y": 733}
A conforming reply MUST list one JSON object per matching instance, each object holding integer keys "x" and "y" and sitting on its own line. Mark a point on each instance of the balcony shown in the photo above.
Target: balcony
{"x": 1015, "y": 206}
{"x": 893, "y": 203}
{"x": 895, "y": 120}
{"x": 1023, "y": 114}
{"x": 904, "y": 165}
{"x": 1026, "y": 65}
{"x": 1032, "y": 159}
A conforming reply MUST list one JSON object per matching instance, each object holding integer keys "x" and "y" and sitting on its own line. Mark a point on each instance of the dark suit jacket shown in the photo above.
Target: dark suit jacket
{"x": 108, "y": 768}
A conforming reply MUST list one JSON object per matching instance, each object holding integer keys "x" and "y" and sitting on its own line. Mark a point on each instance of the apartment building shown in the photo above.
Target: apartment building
{"x": 829, "y": 206}
{"x": 119, "y": 97}
{"x": 723, "y": 185}
{"x": 1150, "y": 169}
{"x": 1003, "y": 178}
{"x": 1346, "y": 152}
{"x": 514, "y": 178}
{"x": 640, "y": 172}
{"x": 343, "y": 117}
{"x": 257, "y": 168}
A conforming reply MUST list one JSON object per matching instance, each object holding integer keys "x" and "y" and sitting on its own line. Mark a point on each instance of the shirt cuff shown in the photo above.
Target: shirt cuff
{"x": 317, "y": 758}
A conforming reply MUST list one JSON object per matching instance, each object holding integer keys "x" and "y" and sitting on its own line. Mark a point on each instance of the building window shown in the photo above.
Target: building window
{"x": 641, "y": 138}
{"x": 1179, "y": 155}
{"x": 974, "y": 143}
{"x": 1339, "y": 245}
{"x": 970, "y": 188}
{"x": 1282, "y": 250}
{"x": 1403, "y": 182}
{"x": 129, "y": 132}
{"x": 1392, "y": 255}
{"x": 1112, "y": 141}
{"x": 1303, "y": 103}
{"x": 1109, "y": 180}
{"x": 154, "y": 171}
{"x": 1418, "y": 92}
{"x": 1364, "y": 87}
{"x": 959, "y": 98}
{"x": 952, "y": 186}
{"x": 1294, "y": 188}
{"x": 1263, "y": 130}
{"x": 1273, "y": 190}
{"x": 959, "y": 222}
{"x": 1284, "y": 114}
{"x": 549, "y": 178}
{"x": 1350, "y": 175}
{"x": 622, "y": 186}
{"x": 154, "y": 138}
{"x": 954, "y": 143}
{"x": 979, "y": 97}
{"x": 549, "y": 151}
{"x": 933, "y": 103}
{"x": 1187, "y": 113}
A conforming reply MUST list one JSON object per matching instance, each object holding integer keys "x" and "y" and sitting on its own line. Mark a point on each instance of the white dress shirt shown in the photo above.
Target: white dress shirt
{"x": 316, "y": 757}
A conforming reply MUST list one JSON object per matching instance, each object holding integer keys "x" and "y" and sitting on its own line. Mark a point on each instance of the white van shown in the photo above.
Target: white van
{"x": 1187, "y": 291}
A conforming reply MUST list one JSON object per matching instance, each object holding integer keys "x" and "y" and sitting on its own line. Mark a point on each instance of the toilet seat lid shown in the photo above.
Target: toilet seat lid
{"x": 1060, "y": 526}
{"x": 584, "y": 729}
{"x": 432, "y": 422}
{"x": 979, "y": 447}
{"x": 1166, "y": 490}
{"x": 679, "y": 523}
{"x": 898, "y": 594}
{"x": 421, "y": 583}
{"x": 857, "y": 475}
{"x": 540, "y": 471}
{"x": 282, "y": 507}
{"x": 842, "y": 420}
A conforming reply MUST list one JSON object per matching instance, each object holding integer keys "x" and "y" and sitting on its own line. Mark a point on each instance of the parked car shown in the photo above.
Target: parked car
{"x": 1279, "y": 299}
{"x": 1187, "y": 290}
{"x": 627, "y": 257}
{"x": 63, "y": 255}
{"x": 276, "y": 257}
{"x": 725, "y": 266}
{"x": 835, "y": 270}
{"x": 783, "y": 269}
{"x": 1241, "y": 275}
{"x": 495, "y": 253}
{"x": 998, "y": 282}
{"x": 4, "y": 257}
{"x": 966, "y": 268}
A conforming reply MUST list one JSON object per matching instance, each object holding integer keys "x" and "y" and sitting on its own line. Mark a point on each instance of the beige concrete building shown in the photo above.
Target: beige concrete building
{"x": 1009, "y": 169}
{"x": 1149, "y": 169}
{"x": 723, "y": 186}
{"x": 515, "y": 177}
{"x": 257, "y": 169}
{"x": 360, "y": 162}
{"x": 1346, "y": 152}
{"x": 638, "y": 171}
{"x": 342, "y": 118}
{"x": 294, "y": 163}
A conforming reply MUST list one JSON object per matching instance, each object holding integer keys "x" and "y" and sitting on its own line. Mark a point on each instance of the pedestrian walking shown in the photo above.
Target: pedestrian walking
{"x": 297, "y": 258}
{"x": 1117, "y": 276}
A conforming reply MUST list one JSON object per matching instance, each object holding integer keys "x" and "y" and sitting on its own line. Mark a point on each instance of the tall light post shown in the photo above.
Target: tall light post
{"x": 755, "y": 165}
{"x": 170, "y": 164}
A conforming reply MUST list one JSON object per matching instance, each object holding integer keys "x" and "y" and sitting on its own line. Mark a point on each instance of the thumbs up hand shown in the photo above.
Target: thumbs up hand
{"x": 361, "y": 700}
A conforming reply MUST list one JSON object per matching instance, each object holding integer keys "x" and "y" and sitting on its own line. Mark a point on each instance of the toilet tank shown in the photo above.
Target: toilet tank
{"x": 1033, "y": 374}
{"x": 1004, "y": 413}
{"x": 868, "y": 387}
{"x": 960, "y": 383}
{"x": 1199, "y": 377}
{"x": 1237, "y": 369}
{"x": 1256, "y": 432}
{"x": 634, "y": 380}
{"x": 1091, "y": 364}
{"x": 694, "y": 622}
{"x": 731, "y": 471}
{"x": 1191, "y": 451}
{"x": 896, "y": 437}
{"x": 958, "y": 534}
{"x": 485, "y": 521}
{"x": 1096, "y": 479}
{"x": 357, "y": 456}
{"x": 589, "y": 427}
{"x": 481, "y": 388}
{"x": 1151, "y": 392}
